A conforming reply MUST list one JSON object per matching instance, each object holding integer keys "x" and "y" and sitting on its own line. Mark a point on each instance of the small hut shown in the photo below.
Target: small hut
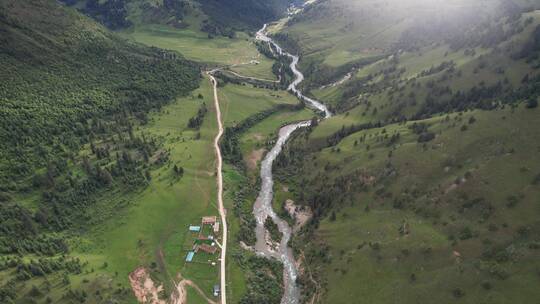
{"x": 194, "y": 228}
{"x": 207, "y": 248}
{"x": 190, "y": 256}
{"x": 209, "y": 220}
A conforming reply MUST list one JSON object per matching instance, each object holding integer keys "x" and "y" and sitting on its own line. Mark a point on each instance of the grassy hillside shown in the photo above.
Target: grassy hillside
{"x": 336, "y": 37}
{"x": 75, "y": 102}
{"x": 76, "y": 71}
{"x": 400, "y": 218}
{"x": 422, "y": 190}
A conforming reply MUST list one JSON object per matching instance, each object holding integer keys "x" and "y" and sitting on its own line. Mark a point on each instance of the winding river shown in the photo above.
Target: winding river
{"x": 263, "y": 205}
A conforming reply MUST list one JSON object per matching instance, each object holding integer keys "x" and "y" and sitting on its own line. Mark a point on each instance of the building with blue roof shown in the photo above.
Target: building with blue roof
{"x": 190, "y": 256}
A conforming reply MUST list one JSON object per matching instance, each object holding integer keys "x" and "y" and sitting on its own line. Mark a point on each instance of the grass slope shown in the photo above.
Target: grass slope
{"x": 453, "y": 218}
{"x": 444, "y": 211}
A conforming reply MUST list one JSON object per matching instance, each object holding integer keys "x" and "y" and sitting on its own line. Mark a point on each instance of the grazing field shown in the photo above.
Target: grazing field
{"x": 233, "y": 180}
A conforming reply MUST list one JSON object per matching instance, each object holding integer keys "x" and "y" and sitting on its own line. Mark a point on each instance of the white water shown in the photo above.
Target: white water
{"x": 263, "y": 205}
{"x": 263, "y": 208}
{"x": 299, "y": 77}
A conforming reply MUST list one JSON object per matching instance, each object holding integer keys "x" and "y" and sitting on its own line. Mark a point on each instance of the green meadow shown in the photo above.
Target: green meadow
{"x": 195, "y": 45}
{"x": 241, "y": 101}
{"x": 260, "y": 68}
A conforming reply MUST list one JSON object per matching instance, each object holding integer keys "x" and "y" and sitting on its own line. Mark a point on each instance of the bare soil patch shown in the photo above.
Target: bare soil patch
{"x": 144, "y": 288}
{"x": 300, "y": 214}
{"x": 254, "y": 157}
{"x": 146, "y": 291}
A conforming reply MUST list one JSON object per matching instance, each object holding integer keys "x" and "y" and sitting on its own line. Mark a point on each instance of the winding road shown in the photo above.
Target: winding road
{"x": 220, "y": 191}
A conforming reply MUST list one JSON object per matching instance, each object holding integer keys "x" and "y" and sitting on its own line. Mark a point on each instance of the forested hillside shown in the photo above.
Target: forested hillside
{"x": 221, "y": 17}
{"x": 254, "y": 13}
{"x": 424, "y": 186}
{"x": 72, "y": 96}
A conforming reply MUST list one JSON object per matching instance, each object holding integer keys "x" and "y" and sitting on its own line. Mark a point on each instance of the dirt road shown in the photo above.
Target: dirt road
{"x": 220, "y": 190}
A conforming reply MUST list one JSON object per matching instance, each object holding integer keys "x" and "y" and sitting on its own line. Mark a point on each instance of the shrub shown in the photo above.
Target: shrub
{"x": 532, "y": 103}
{"x": 273, "y": 230}
{"x": 512, "y": 201}
{"x": 465, "y": 234}
{"x": 536, "y": 179}
{"x": 426, "y": 137}
{"x": 375, "y": 246}
{"x": 458, "y": 293}
{"x": 486, "y": 285}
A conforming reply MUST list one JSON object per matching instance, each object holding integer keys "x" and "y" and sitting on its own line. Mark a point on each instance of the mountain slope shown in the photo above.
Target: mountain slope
{"x": 76, "y": 70}
{"x": 424, "y": 184}
{"x": 222, "y": 16}
{"x": 253, "y": 13}
{"x": 73, "y": 97}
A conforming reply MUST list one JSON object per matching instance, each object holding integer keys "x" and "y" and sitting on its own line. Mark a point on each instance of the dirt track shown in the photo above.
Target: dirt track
{"x": 220, "y": 191}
